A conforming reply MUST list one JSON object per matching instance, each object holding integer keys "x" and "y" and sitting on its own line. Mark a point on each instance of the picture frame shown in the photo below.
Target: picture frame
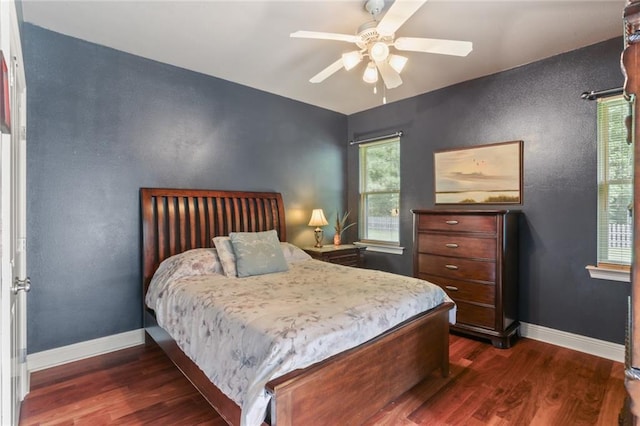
{"x": 5, "y": 103}
{"x": 482, "y": 174}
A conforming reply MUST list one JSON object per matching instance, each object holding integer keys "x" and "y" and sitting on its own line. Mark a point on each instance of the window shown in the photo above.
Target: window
{"x": 380, "y": 192}
{"x": 615, "y": 183}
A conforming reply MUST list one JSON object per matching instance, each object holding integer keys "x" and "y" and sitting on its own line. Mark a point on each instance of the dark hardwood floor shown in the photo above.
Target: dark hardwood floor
{"x": 533, "y": 383}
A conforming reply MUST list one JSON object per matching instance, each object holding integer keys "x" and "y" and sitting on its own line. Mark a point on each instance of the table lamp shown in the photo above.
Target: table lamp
{"x": 318, "y": 220}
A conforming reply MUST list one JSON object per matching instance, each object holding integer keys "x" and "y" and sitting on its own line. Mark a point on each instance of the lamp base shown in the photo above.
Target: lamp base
{"x": 318, "y": 236}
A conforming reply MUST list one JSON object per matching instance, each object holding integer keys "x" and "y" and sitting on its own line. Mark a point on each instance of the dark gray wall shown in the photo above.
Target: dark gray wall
{"x": 540, "y": 104}
{"x": 102, "y": 124}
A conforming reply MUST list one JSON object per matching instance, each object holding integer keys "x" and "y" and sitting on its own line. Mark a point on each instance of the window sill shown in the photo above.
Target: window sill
{"x": 380, "y": 248}
{"x": 601, "y": 273}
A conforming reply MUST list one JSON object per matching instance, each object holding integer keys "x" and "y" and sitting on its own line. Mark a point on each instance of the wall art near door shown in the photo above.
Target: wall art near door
{"x": 484, "y": 174}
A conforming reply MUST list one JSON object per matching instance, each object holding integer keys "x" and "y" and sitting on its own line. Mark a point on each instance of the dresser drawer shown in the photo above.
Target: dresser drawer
{"x": 457, "y": 245}
{"x": 464, "y": 290}
{"x": 481, "y": 316}
{"x": 451, "y": 267}
{"x": 345, "y": 259}
{"x": 458, "y": 223}
{"x": 347, "y": 254}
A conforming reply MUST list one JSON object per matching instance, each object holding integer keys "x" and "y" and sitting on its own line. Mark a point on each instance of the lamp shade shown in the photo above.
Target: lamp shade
{"x": 317, "y": 218}
{"x": 397, "y": 62}
{"x": 370, "y": 73}
{"x": 351, "y": 59}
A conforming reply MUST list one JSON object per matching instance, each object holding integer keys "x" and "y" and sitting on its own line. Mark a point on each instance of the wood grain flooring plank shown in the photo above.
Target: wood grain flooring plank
{"x": 533, "y": 383}
{"x": 614, "y": 392}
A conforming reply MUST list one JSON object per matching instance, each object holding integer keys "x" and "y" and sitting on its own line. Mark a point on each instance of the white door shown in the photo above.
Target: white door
{"x": 13, "y": 279}
{"x": 21, "y": 283}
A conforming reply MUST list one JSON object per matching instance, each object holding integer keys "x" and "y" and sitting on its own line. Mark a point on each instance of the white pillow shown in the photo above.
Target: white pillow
{"x": 293, "y": 253}
{"x": 227, "y": 256}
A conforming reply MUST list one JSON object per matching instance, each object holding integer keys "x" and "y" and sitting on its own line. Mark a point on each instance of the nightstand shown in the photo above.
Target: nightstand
{"x": 344, "y": 254}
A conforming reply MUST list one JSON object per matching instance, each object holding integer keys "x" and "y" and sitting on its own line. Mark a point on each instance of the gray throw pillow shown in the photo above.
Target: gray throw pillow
{"x": 257, "y": 253}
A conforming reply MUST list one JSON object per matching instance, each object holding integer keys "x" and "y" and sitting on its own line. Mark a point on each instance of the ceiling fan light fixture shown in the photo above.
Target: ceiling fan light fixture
{"x": 351, "y": 59}
{"x": 379, "y": 51}
{"x": 370, "y": 73}
{"x": 398, "y": 62}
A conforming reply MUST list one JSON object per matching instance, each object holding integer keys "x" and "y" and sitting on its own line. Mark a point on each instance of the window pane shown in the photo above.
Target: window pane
{"x": 615, "y": 182}
{"x": 380, "y": 191}
{"x": 382, "y": 167}
{"x": 616, "y": 231}
{"x": 381, "y": 217}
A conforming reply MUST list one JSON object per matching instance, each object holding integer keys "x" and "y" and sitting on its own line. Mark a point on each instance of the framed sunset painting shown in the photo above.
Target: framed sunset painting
{"x": 484, "y": 174}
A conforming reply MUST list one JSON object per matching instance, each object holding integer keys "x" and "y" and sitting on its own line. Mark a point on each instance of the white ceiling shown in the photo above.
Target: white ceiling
{"x": 247, "y": 42}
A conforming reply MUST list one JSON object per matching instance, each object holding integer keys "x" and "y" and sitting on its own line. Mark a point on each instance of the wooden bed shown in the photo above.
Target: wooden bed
{"x": 345, "y": 389}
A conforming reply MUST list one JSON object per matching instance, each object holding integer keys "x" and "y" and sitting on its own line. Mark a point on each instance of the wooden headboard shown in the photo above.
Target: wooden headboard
{"x": 176, "y": 220}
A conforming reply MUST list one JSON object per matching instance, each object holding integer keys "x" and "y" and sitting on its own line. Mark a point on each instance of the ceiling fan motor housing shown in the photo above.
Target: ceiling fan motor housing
{"x": 368, "y": 35}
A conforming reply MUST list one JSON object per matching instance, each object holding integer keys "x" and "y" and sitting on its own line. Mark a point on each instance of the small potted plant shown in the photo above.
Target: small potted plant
{"x": 340, "y": 227}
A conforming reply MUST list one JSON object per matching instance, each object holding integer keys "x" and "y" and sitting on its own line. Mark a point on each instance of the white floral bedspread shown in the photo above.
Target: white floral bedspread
{"x": 243, "y": 332}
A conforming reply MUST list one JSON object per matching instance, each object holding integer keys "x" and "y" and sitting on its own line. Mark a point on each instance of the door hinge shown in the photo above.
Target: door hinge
{"x": 23, "y": 356}
{"x": 23, "y": 133}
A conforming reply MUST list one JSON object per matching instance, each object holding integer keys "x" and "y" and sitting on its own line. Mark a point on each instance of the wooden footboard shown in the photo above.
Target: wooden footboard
{"x": 352, "y": 386}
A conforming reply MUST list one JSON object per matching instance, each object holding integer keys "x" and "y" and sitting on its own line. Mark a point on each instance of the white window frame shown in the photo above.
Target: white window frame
{"x": 608, "y": 267}
{"x": 383, "y": 246}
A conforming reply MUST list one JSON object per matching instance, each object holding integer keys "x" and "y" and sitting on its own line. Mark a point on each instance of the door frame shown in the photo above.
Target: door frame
{"x": 14, "y": 381}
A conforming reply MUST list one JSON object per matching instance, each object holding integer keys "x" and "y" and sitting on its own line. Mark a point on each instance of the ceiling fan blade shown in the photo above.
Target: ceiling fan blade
{"x": 327, "y": 72}
{"x": 325, "y": 36}
{"x": 432, "y": 45}
{"x": 398, "y": 13}
{"x": 389, "y": 75}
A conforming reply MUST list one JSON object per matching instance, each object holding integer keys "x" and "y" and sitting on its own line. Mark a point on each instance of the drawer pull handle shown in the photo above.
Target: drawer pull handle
{"x": 451, "y": 222}
{"x": 451, "y": 245}
{"x": 452, "y": 267}
{"x": 450, "y": 287}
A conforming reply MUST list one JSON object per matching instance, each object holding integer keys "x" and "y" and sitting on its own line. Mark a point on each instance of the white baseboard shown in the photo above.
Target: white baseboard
{"x": 58, "y": 356}
{"x": 601, "y": 348}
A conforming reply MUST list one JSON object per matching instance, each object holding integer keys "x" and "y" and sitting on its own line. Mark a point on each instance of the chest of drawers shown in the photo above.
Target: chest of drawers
{"x": 473, "y": 256}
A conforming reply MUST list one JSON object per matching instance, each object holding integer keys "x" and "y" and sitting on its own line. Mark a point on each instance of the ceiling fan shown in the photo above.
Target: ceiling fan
{"x": 375, "y": 40}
